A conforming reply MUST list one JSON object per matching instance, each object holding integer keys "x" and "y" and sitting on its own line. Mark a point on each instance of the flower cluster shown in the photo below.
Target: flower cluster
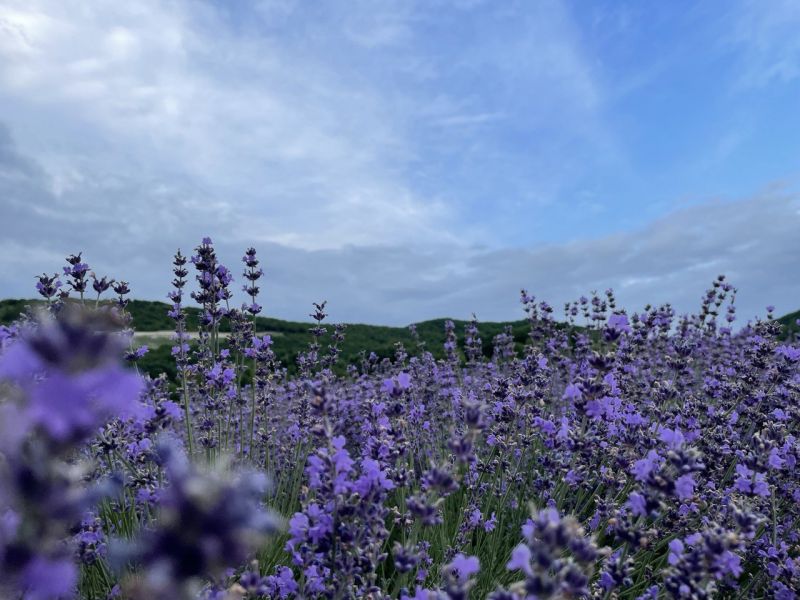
{"x": 663, "y": 448}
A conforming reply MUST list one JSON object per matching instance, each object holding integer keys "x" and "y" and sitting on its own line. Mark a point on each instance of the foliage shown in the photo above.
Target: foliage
{"x": 631, "y": 455}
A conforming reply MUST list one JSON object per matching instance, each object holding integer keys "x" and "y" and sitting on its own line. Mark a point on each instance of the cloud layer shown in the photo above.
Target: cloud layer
{"x": 404, "y": 161}
{"x": 754, "y": 241}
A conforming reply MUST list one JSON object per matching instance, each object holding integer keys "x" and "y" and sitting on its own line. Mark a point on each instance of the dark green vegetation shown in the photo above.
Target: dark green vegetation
{"x": 289, "y": 337}
{"x": 292, "y": 337}
{"x": 791, "y": 330}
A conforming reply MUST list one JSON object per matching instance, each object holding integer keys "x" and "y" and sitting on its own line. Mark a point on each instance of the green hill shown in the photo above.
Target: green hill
{"x": 791, "y": 329}
{"x": 152, "y": 326}
{"x": 151, "y": 323}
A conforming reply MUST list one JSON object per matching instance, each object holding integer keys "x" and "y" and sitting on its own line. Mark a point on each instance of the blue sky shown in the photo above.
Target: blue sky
{"x": 407, "y": 160}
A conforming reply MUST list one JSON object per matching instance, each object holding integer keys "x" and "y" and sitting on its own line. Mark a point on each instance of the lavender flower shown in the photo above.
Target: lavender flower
{"x": 672, "y": 440}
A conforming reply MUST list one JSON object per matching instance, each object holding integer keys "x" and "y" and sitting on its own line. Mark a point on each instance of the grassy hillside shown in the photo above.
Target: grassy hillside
{"x": 292, "y": 337}
{"x": 791, "y": 330}
{"x": 289, "y": 337}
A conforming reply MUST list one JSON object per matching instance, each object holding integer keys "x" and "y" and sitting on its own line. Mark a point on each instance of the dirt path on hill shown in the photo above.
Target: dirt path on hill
{"x": 164, "y": 336}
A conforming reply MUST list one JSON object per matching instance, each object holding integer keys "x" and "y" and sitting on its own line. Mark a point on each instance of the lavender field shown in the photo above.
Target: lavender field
{"x": 621, "y": 454}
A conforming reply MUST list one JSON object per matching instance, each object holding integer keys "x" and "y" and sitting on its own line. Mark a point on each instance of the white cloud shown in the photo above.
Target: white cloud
{"x": 767, "y": 35}
{"x": 363, "y": 151}
{"x": 319, "y": 127}
{"x": 753, "y": 240}
{"x": 261, "y": 127}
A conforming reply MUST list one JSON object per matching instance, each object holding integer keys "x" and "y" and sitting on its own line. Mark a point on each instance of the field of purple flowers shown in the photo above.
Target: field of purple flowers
{"x": 621, "y": 455}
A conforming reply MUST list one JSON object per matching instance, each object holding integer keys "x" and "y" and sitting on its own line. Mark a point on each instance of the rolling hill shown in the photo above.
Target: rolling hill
{"x": 154, "y": 327}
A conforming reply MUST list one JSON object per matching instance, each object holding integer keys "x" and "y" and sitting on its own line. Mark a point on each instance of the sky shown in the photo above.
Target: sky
{"x": 407, "y": 160}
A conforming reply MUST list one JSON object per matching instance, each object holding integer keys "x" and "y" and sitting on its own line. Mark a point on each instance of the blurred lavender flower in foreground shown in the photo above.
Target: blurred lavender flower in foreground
{"x": 59, "y": 381}
{"x": 557, "y": 558}
{"x": 67, "y": 378}
{"x": 209, "y": 520}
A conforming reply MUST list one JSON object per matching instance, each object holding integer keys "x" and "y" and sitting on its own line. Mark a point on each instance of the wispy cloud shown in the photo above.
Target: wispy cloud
{"x": 766, "y": 35}
{"x": 752, "y": 240}
{"x": 168, "y": 93}
{"x": 323, "y": 126}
